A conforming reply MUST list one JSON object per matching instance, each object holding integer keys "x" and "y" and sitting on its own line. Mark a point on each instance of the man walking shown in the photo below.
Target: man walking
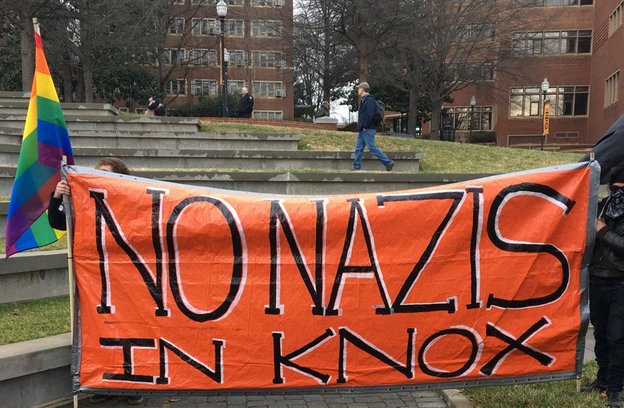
{"x": 245, "y": 104}
{"x": 606, "y": 294}
{"x": 366, "y": 129}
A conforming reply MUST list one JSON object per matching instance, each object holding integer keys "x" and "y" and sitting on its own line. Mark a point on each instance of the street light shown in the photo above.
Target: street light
{"x": 473, "y": 102}
{"x": 222, "y": 12}
{"x": 545, "y": 111}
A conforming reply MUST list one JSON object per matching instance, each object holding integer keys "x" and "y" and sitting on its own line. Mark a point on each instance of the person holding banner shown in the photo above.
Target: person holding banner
{"x": 56, "y": 218}
{"x": 606, "y": 294}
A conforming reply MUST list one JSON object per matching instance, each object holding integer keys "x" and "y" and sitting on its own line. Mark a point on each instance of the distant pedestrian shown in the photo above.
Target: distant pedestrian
{"x": 606, "y": 294}
{"x": 155, "y": 107}
{"x": 245, "y": 104}
{"x": 323, "y": 110}
{"x": 366, "y": 129}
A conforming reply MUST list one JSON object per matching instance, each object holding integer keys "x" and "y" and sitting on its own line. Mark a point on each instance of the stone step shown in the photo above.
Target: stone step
{"x": 226, "y": 159}
{"x": 115, "y": 123}
{"x": 165, "y": 140}
{"x": 292, "y": 183}
{"x": 20, "y": 107}
{"x": 10, "y": 97}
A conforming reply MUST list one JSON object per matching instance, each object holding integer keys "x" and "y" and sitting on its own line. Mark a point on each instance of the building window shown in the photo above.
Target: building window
{"x": 176, "y": 87}
{"x": 266, "y": 28}
{"x": 268, "y": 115}
{"x": 238, "y": 58}
{"x": 615, "y": 19}
{"x": 459, "y": 117}
{"x": 612, "y": 86}
{"x": 175, "y": 56}
{"x": 552, "y": 42}
{"x": 235, "y": 28}
{"x": 204, "y": 87}
{"x": 176, "y": 25}
{"x": 551, "y": 3}
{"x": 266, "y": 59}
{"x": 565, "y": 101}
{"x": 205, "y": 26}
{"x": 480, "y": 32}
{"x": 473, "y": 71}
{"x": 202, "y": 57}
{"x": 268, "y": 89}
{"x": 234, "y": 87}
{"x": 267, "y": 3}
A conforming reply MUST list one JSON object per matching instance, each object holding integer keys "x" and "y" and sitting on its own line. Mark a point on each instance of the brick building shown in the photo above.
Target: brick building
{"x": 577, "y": 45}
{"x": 258, "y": 38}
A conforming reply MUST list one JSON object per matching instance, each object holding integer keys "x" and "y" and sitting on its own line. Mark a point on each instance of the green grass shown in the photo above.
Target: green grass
{"x": 552, "y": 394}
{"x": 438, "y": 157}
{"x": 33, "y": 320}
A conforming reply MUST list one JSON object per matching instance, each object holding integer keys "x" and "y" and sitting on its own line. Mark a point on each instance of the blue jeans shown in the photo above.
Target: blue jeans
{"x": 366, "y": 138}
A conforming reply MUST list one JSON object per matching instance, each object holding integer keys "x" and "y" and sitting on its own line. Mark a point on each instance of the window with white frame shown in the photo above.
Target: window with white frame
{"x": 238, "y": 58}
{"x": 268, "y": 89}
{"x": 176, "y": 87}
{"x": 175, "y": 56}
{"x": 615, "y": 19}
{"x": 612, "y": 86}
{"x": 266, "y": 28}
{"x": 204, "y": 87}
{"x": 200, "y": 56}
{"x": 205, "y": 26}
{"x": 176, "y": 25}
{"x": 267, "y": 3}
{"x": 234, "y": 87}
{"x": 552, "y": 42}
{"x": 480, "y": 32}
{"x": 268, "y": 115}
{"x": 235, "y": 28}
{"x": 266, "y": 59}
{"x": 459, "y": 117}
{"x": 564, "y": 101}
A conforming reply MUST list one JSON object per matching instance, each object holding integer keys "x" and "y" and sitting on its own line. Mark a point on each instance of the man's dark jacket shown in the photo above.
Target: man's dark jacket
{"x": 608, "y": 255}
{"x": 366, "y": 113}
{"x": 56, "y": 213}
{"x": 245, "y": 106}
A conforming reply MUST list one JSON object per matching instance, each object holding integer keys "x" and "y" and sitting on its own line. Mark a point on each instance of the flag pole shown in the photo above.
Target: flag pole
{"x": 70, "y": 265}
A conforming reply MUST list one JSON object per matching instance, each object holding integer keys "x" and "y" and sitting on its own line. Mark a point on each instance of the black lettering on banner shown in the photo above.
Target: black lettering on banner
{"x": 239, "y": 267}
{"x": 127, "y": 346}
{"x": 516, "y": 344}
{"x": 358, "y": 271}
{"x": 105, "y": 216}
{"x": 279, "y": 217}
{"x": 157, "y": 240}
{"x": 506, "y": 195}
{"x": 347, "y": 335}
{"x": 475, "y": 254}
{"x": 280, "y": 360}
{"x": 216, "y": 375}
{"x": 476, "y": 344}
{"x": 457, "y": 196}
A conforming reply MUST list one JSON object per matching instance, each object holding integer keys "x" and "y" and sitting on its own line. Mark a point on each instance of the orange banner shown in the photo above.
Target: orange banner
{"x": 184, "y": 288}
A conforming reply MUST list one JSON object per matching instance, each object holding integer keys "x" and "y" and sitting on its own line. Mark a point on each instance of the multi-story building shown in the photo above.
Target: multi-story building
{"x": 576, "y": 45}
{"x": 258, "y": 40}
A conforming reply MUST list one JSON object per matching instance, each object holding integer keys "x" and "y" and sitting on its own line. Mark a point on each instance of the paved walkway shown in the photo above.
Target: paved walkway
{"x": 420, "y": 399}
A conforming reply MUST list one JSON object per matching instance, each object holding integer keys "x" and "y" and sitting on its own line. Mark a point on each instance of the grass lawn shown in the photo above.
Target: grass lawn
{"x": 32, "y": 320}
{"x": 439, "y": 157}
{"x": 552, "y": 394}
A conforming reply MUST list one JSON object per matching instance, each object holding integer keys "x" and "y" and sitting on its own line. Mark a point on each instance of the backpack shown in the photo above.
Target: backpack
{"x": 380, "y": 112}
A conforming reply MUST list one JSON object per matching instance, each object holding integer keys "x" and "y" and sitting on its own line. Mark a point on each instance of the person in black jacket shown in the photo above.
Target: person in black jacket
{"x": 155, "y": 106}
{"x": 366, "y": 130}
{"x": 606, "y": 294}
{"x": 56, "y": 213}
{"x": 245, "y": 104}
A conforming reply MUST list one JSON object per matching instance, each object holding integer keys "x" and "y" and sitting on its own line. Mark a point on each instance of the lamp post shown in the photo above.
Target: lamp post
{"x": 222, "y": 12}
{"x": 473, "y": 102}
{"x": 546, "y": 112}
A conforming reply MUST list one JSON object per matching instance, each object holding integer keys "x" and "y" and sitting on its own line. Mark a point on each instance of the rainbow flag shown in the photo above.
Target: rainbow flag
{"x": 44, "y": 143}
